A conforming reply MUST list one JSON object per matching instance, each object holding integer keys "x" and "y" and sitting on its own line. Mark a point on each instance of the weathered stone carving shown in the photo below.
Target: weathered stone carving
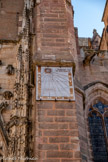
{"x": 19, "y": 118}
{"x": 10, "y": 70}
{"x": 3, "y": 105}
{"x": 17, "y": 88}
{"x": 90, "y": 54}
{"x": 7, "y": 95}
{"x": 17, "y": 103}
{"x": 15, "y": 121}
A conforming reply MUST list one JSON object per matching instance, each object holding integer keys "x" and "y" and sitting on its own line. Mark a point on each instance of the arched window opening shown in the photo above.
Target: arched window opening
{"x": 98, "y": 127}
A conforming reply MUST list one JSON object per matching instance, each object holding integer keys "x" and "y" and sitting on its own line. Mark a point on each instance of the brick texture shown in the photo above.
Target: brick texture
{"x": 56, "y": 123}
{"x": 55, "y": 31}
{"x": 60, "y": 128}
{"x": 57, "y": 132}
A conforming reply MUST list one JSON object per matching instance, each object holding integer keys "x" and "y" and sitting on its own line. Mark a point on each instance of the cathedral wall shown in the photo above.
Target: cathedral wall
{"x": 10, "y": 10}
{"x": 96, "y": 71}
{"x": 82, "y": 126}
{"x": 56, "y": 132}
{"x": 105, "y": 14}
{"x": 93, "y": 95}
{"x": 10, "y": 13}
{"x": 103, "y": 45}
{"x": 104, "y": 39}
{"x": 84, "y": 101}
{"x": 55, "y": 33}
{"x": 91, "y": 88}
{"x": 59, "y": 129}
{"x": 8, "y": 52}
{"x": 56, "y": 129}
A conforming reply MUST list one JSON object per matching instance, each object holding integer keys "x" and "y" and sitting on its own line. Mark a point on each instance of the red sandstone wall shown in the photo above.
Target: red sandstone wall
{"x": 90, "y": 80}
{"x": 56, "y": 130}
{"x": 82, "y": 126}
{"x": 96, "y": 71}
{"x": 54, "y": 30}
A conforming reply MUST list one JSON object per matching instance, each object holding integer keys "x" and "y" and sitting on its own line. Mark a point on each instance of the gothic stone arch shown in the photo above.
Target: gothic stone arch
{"x": 93, "y": 95}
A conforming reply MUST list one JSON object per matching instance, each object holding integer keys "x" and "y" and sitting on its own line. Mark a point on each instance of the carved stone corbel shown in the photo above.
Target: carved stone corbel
{"x": 7, "y": 95}
{"x": 10, "y": 70}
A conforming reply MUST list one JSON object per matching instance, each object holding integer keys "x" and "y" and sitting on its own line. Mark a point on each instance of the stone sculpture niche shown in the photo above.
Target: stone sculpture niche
{"x": 10, "y": 70}
{"x": 7, "y": 95}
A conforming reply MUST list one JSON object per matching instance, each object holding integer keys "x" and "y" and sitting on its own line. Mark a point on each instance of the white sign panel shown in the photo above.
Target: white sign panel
{"x": 54, "y": 83}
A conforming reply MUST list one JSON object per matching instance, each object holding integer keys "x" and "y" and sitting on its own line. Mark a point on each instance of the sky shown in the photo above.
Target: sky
{"x": 88, "y": 15}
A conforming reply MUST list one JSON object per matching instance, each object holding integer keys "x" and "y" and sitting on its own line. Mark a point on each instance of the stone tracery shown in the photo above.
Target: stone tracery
{"x": 98, "y": 131}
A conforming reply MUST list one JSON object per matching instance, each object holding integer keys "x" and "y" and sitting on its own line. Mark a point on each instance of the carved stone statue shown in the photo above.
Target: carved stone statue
{"x": 7, "y": 95}
{"x": 3, "y": 105}
{"x": 10, "y": 70}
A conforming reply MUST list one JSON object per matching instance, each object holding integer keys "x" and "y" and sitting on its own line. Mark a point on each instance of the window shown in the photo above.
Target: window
{"x": 98, "y": 126}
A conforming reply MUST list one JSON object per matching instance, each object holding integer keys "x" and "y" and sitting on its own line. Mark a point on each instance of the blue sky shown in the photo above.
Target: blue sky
{"x": 88, "y": 15}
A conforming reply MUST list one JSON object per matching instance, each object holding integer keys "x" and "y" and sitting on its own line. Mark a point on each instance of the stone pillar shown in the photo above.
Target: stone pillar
{"x": 56, "y": 130}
